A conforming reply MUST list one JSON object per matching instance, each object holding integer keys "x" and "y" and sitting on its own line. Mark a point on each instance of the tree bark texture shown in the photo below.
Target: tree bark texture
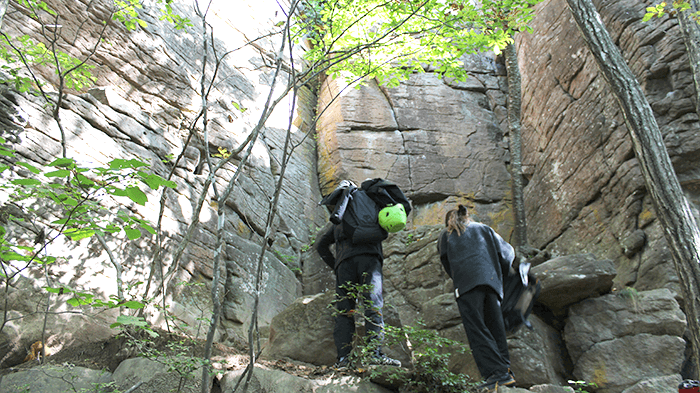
{"x": 691, "y": 37}
{"x": 516, "y": 156}
{"x": 3, "y": 9}
{"x": 672, "y": 209}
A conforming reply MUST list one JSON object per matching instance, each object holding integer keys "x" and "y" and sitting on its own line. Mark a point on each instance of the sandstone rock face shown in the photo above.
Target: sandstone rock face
{"x": 55, "y": 379}
{"x": 304, "y": 331}
{"x": 442, "y": 141}
{"x": 667, "y": 384}
{"x": 439, "y": 140}
{"x": 568, "y": 279}
{"x": 146, "y": 95}
{"x": 611, "y": 338}
{"x": 536, "y": 355}
{"x": 586, "y": 192}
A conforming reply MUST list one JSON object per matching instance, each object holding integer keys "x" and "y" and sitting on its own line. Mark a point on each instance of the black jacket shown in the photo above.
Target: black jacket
{"x": 479, "y": 256}
{"x": 344, "y": 248}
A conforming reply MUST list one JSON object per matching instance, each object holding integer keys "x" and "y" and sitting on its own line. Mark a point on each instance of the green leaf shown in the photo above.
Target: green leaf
{"x": 116, "y": 191}
{"x": 26, "y": 182}
{"x": 136, "y": 195}
{"x": 129, "y": 320}
{"x": 238, "y": 106}
{"x": 84, "y": 181}
{"x": 147, "y": 227}
{"x": 13, "y": 256}
{"x": 58, "y": 173}
{"x": 132, "y": 234}
{"x": 119, "y": 163}
{"x": 154, "y": 181}
{"x": 32, "y": 168}
{"x": 133, "y": 305}
{"x": 79, "y": 234}
{"x": 63, "y": 162}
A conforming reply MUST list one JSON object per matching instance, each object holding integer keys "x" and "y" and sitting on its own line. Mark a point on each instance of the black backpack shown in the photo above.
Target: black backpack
{"x": 360, "y": 220}
{"x": 520, "y": 290}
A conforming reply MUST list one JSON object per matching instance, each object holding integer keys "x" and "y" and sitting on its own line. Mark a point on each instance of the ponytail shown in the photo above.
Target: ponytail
{"x": 456, "y": 219}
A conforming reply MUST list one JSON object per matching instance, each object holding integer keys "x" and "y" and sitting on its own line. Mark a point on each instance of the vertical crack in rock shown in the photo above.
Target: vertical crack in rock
{"x": 387, "y": 96}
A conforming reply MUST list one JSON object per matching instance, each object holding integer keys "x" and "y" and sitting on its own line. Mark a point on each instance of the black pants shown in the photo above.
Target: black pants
{"x": 359, "y": 270}
{"x": 481, "y": 315}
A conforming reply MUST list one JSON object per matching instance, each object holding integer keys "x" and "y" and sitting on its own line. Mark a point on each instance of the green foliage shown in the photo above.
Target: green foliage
{"x": 25, "y": 50}
{"x": 133, "y": 322}
{"x": 661, "y": 9}
{"x": 431, "y": 352}
{"x": 410, "y": 238}
{"x": 178, "y": 355}
{"x": 580, "y": 386}
{"x": 389, "y": 40}
{"x": 20, "y": 53}
{"x": 63, "y": 198}
{"x": 239, "y": 107}
{"x": 222, "y": 153}
{"x": 127, "y": 13}
{"x": 74, "y": 193}
{"x": 34, "y": 5}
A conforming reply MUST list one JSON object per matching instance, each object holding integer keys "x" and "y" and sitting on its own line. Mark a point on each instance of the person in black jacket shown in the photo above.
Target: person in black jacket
{"x": 477, "y": 258}
{"x": 355, "y": 264}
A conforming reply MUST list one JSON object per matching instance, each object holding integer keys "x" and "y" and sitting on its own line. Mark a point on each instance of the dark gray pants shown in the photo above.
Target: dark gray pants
{"x": 481, "y": 315}
{"x": 358, "y": 270}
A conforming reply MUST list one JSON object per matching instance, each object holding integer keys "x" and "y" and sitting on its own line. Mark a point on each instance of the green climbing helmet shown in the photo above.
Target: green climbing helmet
{"x": 392, "y": 218}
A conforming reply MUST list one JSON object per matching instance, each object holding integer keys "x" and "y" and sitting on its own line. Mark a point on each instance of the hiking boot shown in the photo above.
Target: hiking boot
{"x": 497, "y": 379}
{"x": 383, "y": 360}
{"x": 342, "y": 363}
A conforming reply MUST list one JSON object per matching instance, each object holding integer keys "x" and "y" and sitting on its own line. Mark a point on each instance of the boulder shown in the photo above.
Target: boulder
{"x": 568, "y": 279}
{"x": 617, "y": 364}
{"x": 25, "y": 326}
{"x": 667, "y": 384}
{"x": 266, "y": 381}
{"x": 611, "y": 338}
{"x": 622, "y": 314}
{"x": 275, "y": 381}
{"x": 536, "y": 355}
{"x": 56, "y": 379}
{"x": 304, "y": 331}
{"x": 551, "y": 389}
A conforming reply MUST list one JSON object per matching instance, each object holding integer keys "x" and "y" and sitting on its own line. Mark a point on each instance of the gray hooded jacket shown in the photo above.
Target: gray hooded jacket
{"x": 479, "y": 256}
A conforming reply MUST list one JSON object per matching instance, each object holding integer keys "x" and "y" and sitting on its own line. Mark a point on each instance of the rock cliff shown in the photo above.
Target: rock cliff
{"x": 442, "y": 141}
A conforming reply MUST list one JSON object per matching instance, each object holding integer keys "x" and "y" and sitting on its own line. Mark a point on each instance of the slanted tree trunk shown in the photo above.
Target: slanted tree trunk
{"x": 3, "y": 9}
{"x": 691, "y": 36}
{"x": 516, "y": 157}
{"x": 672, "y": 208}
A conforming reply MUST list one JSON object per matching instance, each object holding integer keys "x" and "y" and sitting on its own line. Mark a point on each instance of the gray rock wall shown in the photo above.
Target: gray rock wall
{"x": 439, "y": 140}
{"x": 586, "y": 192}
{"x": 146, "y": 94}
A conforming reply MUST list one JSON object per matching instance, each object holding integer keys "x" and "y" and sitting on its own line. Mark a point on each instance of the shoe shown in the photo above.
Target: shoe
{"x": 383, "y": 360}
{"x": 495, "y": 380}
{"x": 342, "y": 363}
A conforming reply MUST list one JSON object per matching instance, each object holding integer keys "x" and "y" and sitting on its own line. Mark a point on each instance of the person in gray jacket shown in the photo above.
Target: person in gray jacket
{"x": 477, "y": 258}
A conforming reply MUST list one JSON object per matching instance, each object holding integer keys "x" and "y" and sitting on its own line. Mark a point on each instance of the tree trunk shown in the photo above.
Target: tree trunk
{"x": 691, "y": 36}
{"x": 516, "y": 157}
{"x": 676, "y": 218}
{"x": 3, "y": 9}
